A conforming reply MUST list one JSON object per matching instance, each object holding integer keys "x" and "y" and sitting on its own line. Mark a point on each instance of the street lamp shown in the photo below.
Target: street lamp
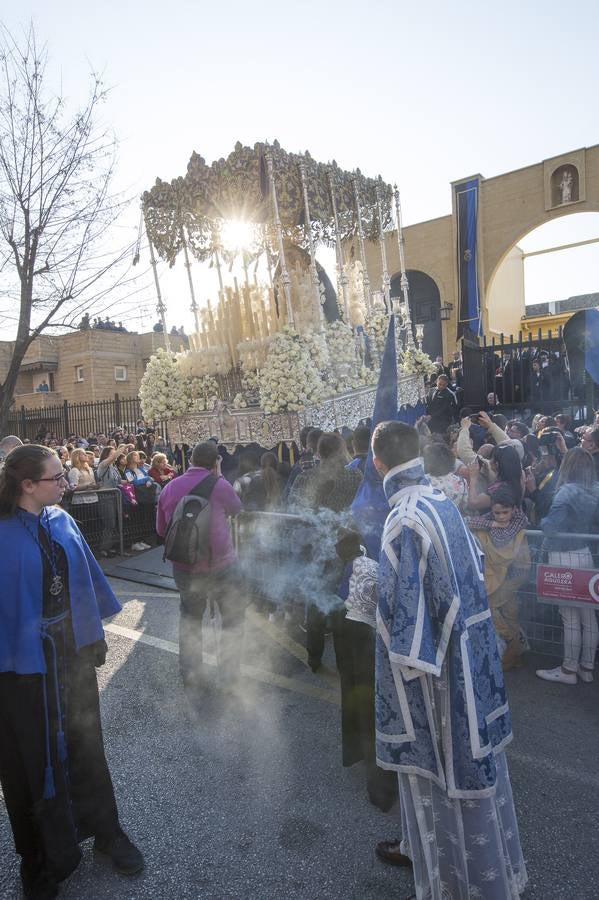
{"x": 445, "y": 311}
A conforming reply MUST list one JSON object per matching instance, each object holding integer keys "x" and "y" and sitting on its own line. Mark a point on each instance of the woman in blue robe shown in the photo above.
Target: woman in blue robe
{"x": 53, "y": 771}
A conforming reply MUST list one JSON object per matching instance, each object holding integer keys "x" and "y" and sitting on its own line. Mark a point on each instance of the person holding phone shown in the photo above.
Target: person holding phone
{"x": 542, "y": 477}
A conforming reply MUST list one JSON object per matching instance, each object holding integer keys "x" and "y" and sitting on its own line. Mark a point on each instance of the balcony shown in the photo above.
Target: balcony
{"x": 37, "y": 400}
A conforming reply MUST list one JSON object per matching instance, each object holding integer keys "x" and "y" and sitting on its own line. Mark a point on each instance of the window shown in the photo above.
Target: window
{"x": 120, "y": 373}
{"x": 78, "y": 373}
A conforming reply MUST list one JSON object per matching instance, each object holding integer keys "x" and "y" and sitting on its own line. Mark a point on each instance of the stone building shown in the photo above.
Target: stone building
{"x": 84, "y": 365}
{"x": 466, "y": 269}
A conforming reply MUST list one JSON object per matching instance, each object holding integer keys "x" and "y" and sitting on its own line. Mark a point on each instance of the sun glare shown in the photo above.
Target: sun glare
{"x": 236, "y": 234}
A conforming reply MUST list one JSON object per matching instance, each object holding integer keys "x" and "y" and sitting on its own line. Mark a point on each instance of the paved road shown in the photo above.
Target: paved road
{"x": 249, "y": 800}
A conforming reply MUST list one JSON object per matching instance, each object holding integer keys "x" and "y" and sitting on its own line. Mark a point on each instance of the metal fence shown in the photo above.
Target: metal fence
{"x": 109, "y": 524}
{"x": 572, "y": 574}
{"x": 94, "y": 417}
{"x": 276, "y": 549}
{"x": 100, "y": 521}
{"x": 527, "y": 375}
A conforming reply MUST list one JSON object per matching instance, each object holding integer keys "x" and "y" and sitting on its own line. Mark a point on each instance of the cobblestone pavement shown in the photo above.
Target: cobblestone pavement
{"x": 247, "y": 798}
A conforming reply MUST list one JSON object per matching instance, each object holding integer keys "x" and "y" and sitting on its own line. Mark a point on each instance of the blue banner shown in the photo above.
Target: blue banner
{"x": 466, "y": 205}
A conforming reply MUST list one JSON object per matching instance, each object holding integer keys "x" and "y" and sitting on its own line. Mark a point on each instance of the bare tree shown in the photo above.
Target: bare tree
{"x": 56, "y": 172}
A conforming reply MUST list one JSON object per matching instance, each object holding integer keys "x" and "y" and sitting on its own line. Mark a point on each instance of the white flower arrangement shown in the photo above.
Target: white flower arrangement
{"x": 415, "y": 362}
{"x": 164, "y": 389}
{"x": 344, "y": 373}
{"x": 203, "y": 392}
{"x": 367, "y": 377}
{"x": 289, "y": 380}
{"x": 249, "y": 381}
{"x": 239, "y": 401}
{"x": 376, "y": 325}
{"x": 316, "y": 344}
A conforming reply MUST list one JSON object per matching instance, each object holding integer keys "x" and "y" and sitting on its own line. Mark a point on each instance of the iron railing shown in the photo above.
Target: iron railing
{"x": 528, "y": 375}
{"x": 94, "y": 417}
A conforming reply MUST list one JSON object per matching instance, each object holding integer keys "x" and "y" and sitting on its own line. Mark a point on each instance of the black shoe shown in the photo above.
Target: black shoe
{"x": 124, "y": 855}
{"x": 389, "y": 852}
{"x": 37, "y": 883}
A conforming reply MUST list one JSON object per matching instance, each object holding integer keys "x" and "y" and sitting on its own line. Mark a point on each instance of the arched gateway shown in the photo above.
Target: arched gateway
{"x": 463, "y": 252}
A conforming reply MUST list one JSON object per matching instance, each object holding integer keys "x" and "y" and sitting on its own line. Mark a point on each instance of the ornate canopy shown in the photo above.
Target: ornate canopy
{"x": 191, "y": 208}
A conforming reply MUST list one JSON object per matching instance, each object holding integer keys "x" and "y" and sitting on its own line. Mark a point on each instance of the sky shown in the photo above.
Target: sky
{"x": 421, "y": 93}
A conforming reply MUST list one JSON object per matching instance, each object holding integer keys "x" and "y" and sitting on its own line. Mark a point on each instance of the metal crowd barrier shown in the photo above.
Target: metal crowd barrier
{"x": 569, "y": 579}
{"x": 276, "y": 549}
{"x": 101, "y": 523}
{"x": 139, "y": 521}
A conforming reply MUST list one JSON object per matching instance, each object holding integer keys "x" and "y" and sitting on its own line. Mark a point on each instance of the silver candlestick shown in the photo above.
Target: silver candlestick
{"x": 403, "y": 280}
{"x": 341, "y": 274}
{"x": 160, "y": 307}
{"x": 279, "y": 229}
{"x": 365, "y": 276}
{"x": 386, "y": 281}
{"x": 194, "y": 305}
{"x": 313, "y": 270}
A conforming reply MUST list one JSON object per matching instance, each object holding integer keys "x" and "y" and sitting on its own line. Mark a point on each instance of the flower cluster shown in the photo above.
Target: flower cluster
{"x": 415, "y": 362}
{"x": 239, "y": 401}
{"x": 316, "y": 344}
{"x": 203, "y": 392}
{"x": 164, "y": 389}
{"x": 376, "y": 325}
{"x": 342, "y": 352}
{"x": 289, "y": 379}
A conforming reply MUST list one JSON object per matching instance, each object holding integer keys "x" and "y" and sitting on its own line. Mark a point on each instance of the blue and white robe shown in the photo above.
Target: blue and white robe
{"x": 442, "y": 718}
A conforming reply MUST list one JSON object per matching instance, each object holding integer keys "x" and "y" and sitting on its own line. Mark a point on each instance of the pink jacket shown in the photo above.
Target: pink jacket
{"x": 223, "y": 502}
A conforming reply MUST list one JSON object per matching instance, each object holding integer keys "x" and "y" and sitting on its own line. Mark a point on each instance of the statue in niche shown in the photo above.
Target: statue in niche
{"x": 565, "y": 186}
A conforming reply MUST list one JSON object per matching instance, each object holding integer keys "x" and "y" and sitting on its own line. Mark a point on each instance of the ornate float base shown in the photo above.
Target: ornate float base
{"x": 253, "y": 425}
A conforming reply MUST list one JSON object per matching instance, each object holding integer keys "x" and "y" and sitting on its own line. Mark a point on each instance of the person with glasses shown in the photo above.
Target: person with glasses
{"x": 53, "y": 771}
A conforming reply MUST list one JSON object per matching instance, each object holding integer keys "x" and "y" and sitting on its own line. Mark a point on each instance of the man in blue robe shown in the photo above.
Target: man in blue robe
{"x": 442, "y": 717}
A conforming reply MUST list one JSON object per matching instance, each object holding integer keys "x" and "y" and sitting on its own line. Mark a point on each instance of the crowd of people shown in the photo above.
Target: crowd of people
{"x": 396, "y": 583}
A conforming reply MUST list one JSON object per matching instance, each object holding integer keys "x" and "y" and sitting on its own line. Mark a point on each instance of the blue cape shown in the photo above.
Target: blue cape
{"x": 21, "y": 574}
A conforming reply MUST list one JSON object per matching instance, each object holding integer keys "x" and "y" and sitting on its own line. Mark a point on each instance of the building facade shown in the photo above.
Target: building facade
{"x": 84, "y": 365}
{"x": 467, "y": 267}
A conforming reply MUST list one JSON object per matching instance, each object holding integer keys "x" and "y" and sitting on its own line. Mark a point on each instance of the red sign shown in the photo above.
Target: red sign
{"x": 558, "y": 584}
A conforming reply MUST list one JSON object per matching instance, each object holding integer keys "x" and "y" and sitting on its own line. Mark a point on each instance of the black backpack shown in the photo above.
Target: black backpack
{"x": 187, "y": 538}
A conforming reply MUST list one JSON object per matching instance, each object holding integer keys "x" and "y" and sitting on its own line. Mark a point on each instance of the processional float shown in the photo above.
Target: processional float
{"x": 284, "y": 349}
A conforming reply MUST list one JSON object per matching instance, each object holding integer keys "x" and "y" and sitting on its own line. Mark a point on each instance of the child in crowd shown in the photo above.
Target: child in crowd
{"x": 501, "y": 535}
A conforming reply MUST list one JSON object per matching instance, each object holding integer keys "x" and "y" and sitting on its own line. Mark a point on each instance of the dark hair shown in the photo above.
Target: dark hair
{"x": 577, "y": 468}
{"x": 313, "y": 439}
{"x": 395, "y": 443}
{"x": 438, "y": 458}
{"x": 331, "y": 446}
{"x": 500, "y": 420}
{"x": 509, "y": 469}
{"x": 593, "y": 435}
{"x": 503, "y": 495}
{"x": 361, "y": 439}
{"x": 205, "y": 455}
{"x": 105, "y": 452}
{"x": 23, "y": 462}
{"x": 521, "y": 428}
{"x": 564, "y": 418}
{"x": 269, "y": 468}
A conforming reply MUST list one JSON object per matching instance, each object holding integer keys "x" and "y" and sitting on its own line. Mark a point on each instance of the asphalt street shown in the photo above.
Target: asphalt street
{"x": 248, "y": 799}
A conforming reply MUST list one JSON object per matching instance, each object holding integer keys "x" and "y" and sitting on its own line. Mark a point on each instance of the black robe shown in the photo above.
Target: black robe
{"x": 47, "y": 829}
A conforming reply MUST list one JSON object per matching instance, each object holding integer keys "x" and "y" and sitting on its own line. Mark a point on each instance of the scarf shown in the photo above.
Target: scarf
{"x": 500, "y": 537}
